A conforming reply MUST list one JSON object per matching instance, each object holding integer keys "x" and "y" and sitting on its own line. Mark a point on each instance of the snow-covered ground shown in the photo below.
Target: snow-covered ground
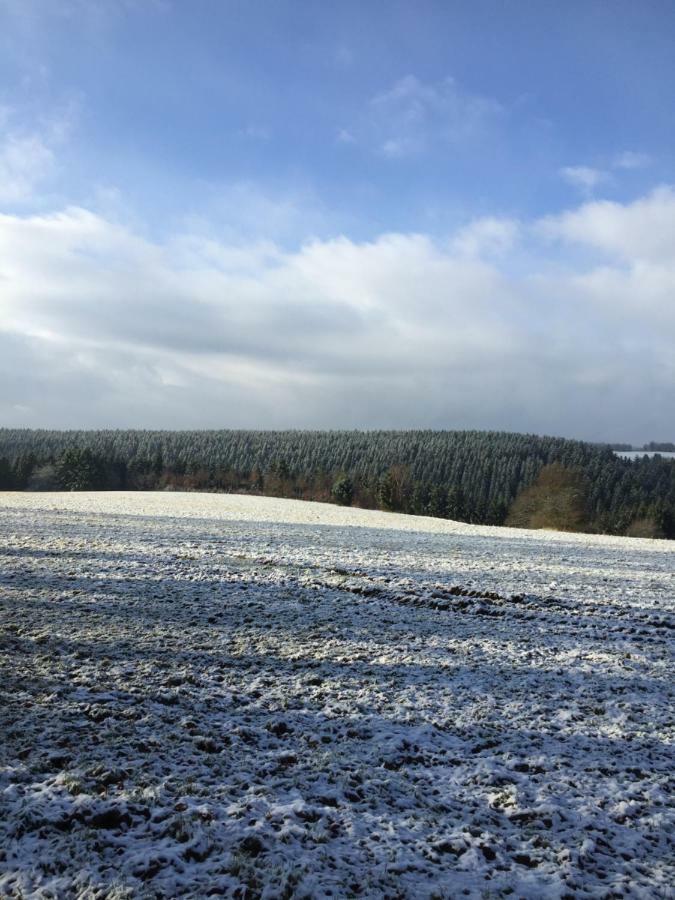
{"x": 209, "y": 695}
{"x": 638, "y": 454}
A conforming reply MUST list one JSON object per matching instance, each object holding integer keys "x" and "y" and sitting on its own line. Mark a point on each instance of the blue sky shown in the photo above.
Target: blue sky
{"x": 210, "y": 171}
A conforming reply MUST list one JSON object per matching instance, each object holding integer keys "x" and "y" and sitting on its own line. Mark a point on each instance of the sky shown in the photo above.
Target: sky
{"x": 295, "y": 214}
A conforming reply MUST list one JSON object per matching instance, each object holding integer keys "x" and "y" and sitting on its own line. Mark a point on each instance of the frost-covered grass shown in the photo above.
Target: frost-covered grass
{"x": 212, "y": 695}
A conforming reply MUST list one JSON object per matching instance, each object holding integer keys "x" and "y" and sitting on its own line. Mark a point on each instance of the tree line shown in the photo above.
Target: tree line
{"x": 474, "y": 476}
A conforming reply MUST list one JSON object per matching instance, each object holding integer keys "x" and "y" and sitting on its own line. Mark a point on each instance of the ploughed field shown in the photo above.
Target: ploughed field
{"x": 209, "y": 695}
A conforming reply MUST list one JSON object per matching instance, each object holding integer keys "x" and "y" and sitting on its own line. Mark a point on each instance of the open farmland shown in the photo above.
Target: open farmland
{"x": 212, "y": 695}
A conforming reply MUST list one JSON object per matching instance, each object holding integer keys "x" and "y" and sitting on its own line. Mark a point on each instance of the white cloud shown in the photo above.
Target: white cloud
{"x": 101, "y": 326}
{"x": 27, "y": 151}
{"x": 584, "y": 178}
{"x": 255, "y": 133}
{"x": 397, "y": 148}
{"x": 25, "y": 161}
{"x": 630, "y": 159}
{"x": 488, "y": 236}
{"x": 345, "y": 136}
{"x": 644, "y": 229}
{"x": 587, "y": 178}
{"x": 344, "y": 56}
{"x": 413, "y": 117}
{"x": 241, "y": 211}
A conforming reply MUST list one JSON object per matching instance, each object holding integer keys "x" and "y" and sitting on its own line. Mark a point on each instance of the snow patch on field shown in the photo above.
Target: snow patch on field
{"x": 212, "y": 695}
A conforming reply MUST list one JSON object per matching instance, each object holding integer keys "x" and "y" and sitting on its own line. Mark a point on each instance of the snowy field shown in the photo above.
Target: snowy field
{"x": 210, "y": 695}
{"x": 638, "y": 454}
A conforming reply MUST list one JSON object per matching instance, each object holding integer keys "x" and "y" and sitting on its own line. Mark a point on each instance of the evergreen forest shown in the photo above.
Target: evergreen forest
{"x": 481, "y": 477}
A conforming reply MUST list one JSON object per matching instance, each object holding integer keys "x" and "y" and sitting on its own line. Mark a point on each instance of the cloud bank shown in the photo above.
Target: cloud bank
{"x": 564, "y": 324}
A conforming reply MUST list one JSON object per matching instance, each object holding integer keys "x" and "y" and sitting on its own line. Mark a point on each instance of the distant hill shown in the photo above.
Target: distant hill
{"x": 660, "y": 446}
{"x": 473, "y": 476}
